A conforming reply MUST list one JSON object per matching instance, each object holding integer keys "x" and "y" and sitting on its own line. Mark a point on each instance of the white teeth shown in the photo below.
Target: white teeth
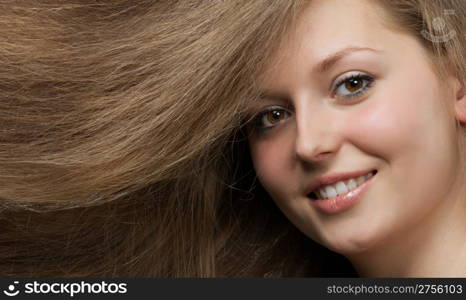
{"x": 321, "y": 193}
{"x": 351, "y": 184}
{"x": 360, "y": 180}
{"x": 330, "y": 191}
{"x": 341, "y": 187}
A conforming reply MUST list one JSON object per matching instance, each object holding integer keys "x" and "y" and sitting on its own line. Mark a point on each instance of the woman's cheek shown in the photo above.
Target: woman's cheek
{"x": 271, "y": 159}
{"x": 410, "y": 135}
{"x": 388, "y": 125}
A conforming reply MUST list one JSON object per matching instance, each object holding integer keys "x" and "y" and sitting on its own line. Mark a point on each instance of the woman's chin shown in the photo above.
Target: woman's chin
{"x": 355, "y": 244}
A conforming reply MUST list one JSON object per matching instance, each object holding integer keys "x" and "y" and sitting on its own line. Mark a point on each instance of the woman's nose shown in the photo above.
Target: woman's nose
{"x": 317, "y": 138}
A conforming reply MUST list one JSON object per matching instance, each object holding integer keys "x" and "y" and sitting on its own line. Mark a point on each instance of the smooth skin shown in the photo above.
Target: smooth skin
{"x": 411, "y": 222}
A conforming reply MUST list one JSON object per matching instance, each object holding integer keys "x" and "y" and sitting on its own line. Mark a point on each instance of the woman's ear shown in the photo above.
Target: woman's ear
{"x": 460, "y": 103}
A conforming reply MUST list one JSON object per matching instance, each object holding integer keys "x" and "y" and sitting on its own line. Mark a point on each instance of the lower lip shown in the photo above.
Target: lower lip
{"x": 342, "y": 202}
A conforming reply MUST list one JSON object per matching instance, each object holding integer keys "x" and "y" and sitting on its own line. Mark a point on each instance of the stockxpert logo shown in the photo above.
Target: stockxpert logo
{"x": 439, "y": 25}
{"x": 11, "y": 290}
{"x": 69, "y": 289}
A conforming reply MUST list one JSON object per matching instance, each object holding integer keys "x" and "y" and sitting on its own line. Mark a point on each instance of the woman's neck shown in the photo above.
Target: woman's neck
{"x": 433, "y": 247}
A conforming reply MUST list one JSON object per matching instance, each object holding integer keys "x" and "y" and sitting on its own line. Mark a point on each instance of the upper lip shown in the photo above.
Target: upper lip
{"x": 332, "y": 178}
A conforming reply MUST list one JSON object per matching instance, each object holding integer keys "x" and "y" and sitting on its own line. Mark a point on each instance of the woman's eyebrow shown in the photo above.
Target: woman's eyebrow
{"x": 323, "y": 66}
{"x": 331, "y": 59}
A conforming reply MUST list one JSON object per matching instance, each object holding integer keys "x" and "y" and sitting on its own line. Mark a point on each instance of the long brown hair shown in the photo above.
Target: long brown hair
{"x": 121, "y": 146}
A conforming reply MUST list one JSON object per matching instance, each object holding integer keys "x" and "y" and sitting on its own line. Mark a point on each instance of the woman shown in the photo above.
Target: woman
{"x": 373, "y": 121}
{"x": 128, "y": 147}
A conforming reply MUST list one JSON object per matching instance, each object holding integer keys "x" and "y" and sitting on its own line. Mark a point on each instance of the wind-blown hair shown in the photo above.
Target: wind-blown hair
{"x": 121, "y": 143}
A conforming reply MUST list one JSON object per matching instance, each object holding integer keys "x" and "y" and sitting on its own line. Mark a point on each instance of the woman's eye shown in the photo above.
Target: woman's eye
{"x": 353, "y": 85}
{"x": 270, "y": 117}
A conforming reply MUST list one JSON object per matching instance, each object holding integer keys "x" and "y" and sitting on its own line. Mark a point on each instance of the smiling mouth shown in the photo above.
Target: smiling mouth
{"x": 340, "y": 187}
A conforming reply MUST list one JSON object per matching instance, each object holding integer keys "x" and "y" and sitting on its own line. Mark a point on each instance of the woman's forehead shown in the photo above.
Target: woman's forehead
{"x": 326, "y": 31}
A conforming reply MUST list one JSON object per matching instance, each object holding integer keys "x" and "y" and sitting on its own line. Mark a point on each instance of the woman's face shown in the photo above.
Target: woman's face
{"x": 375, "y": 104}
